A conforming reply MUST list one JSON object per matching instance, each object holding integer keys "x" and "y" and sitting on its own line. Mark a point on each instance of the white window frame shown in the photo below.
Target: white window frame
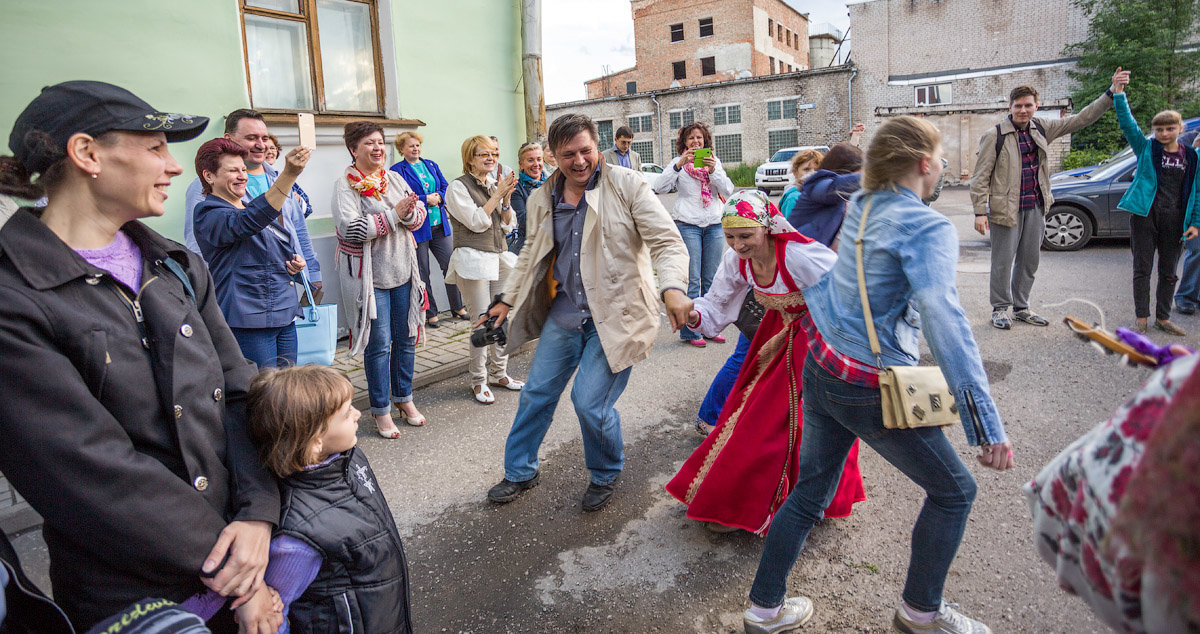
{"x": 682, "y": 123}
{"x": 727, "y": 106}
{"x": 795, "y": 99}
{"x": 637, "y": 115}
{"x": 921, "y": 94}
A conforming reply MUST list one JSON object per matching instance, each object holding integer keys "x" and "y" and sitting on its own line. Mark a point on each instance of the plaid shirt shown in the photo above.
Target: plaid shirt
{"x": 843, "y": 367}
{"x": 1031, "y": 194}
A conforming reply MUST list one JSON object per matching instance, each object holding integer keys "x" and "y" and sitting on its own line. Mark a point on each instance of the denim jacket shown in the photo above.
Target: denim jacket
{"x": 909, "y": 255}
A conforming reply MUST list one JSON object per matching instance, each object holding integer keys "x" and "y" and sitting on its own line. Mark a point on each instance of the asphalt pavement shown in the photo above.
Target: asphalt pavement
{"x": 540, "y": 564}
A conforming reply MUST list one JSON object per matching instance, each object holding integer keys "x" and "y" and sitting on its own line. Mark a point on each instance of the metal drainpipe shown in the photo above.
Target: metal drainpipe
{"x": 850, "y": 98}
{"x": 658, "y": 125}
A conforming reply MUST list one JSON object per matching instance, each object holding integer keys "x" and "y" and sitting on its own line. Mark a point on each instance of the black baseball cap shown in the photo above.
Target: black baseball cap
{"x": 39, "y": 136}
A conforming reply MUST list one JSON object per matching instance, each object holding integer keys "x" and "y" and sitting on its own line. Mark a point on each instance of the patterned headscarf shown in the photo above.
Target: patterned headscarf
{"x": 752, "y": 208}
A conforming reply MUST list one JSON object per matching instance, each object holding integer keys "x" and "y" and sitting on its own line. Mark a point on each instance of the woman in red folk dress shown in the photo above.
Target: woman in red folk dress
{"x": 746, "y": 467}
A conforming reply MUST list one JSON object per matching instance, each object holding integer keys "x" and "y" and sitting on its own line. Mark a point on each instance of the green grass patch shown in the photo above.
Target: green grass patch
{"x": 866, "y": 565}
{"x": 743, "y": 174}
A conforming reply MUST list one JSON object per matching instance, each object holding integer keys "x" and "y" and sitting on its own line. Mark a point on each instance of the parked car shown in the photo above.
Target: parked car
{"x": 1190, "y": 128}
{"x": 777, "y": 173}
{"x": 651, "y": 172}
{"x": 1085, "y": 207}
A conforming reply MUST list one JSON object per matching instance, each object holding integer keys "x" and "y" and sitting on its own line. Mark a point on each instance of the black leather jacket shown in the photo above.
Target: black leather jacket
{"x": 125, "y": 434}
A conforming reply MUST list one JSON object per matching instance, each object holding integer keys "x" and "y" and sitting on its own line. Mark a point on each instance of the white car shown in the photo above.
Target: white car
{"x": 651, "y": 172}
{"x": 777, "y": 173}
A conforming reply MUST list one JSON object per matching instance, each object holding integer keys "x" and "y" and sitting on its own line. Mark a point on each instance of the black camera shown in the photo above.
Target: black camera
{"x": 489, "y": 333}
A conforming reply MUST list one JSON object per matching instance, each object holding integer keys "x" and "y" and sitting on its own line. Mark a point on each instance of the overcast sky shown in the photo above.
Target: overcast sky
{"x": 583, "y": 39}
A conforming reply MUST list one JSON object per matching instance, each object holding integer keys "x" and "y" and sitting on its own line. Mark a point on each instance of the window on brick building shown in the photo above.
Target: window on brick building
{"x": 630, "y": 87}
{"x": 781, "y": 109}
{"x": 779, "y": 33}
{"x": 770, "y": 65}
{"x": 933, "y": 95}
{"x": 605, "y": 130}
{"x": 641, "y": 123}
{"x": 708, "y": 66}
{"x": 727, "y": 114}
{"x": 770, "y": 27}
{"x": 679, "y": 70}
{"x": 706, "y": 27}
{"x": 676, "y": 32}
{"x": 728, "y": 148}
{"x": 645, "y": 149}
{"x": 779, "y": 139}
{"x": 680, "y": 118}
{"x": 788, "y": 38}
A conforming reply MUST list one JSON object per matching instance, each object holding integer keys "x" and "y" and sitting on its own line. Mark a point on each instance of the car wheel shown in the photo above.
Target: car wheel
{"x": 1067, "y": 229}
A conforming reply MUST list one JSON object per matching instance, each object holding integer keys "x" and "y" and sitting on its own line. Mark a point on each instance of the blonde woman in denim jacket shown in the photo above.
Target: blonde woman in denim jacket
{"x": 909, "y": 255}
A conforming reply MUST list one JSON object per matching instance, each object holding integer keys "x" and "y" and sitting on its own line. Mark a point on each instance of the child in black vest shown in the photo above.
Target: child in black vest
{"x": 336, "y": 557}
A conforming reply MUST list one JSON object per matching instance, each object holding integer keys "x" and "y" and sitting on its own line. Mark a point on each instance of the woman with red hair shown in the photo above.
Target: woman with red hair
{"x": 248, "y": 248}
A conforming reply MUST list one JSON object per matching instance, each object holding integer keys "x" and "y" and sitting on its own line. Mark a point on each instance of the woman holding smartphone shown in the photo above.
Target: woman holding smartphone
{"x": 702, "y": 187}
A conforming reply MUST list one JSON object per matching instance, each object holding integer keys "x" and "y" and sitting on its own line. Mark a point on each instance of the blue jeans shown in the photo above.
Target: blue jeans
{"x": 391, "y": 351}
{"x": 705, "y": 246}
{"x": 268, "y": 347}
{"x": 835, "y": 413}
{"x": 1187, "y": 296}
{"x": 722, "y": 385}
{"x": 559, "y": 353}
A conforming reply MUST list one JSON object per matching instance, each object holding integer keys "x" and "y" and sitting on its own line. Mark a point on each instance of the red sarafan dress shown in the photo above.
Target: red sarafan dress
{"x": 746, "y": 467}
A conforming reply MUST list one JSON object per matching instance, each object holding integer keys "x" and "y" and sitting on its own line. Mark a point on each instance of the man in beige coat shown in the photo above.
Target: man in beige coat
{"x": 1010, "y": 191}
{"x": 621, "y": 153}
{"x": 583, "y": 285}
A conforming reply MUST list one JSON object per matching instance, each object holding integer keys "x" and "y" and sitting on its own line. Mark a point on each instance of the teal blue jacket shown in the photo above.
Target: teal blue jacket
{"x": 1140, "y": 195}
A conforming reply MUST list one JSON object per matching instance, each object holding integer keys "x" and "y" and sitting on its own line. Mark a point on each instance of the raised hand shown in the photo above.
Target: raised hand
{"x": 1120, "y": 80}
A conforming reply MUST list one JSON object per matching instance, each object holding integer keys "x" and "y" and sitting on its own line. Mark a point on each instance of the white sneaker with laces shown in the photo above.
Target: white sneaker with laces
{"x": 947, "y": 621}
{"x": 795, "y": 612}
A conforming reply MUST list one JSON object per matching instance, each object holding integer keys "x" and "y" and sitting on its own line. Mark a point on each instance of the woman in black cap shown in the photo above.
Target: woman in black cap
{"x": 124, "y": 412}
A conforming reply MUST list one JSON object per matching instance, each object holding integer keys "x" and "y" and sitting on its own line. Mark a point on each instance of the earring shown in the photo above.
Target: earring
{"x": 96, "y": 175}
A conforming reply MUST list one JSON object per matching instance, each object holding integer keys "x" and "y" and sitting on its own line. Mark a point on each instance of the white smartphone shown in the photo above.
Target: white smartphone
{"x": 308, "y": 130}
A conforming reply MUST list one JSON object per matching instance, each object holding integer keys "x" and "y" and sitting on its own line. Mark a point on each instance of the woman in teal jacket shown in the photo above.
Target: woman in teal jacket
{"x": 1162, "y": 203}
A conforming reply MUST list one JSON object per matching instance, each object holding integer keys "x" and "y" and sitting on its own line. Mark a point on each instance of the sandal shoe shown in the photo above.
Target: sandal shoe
{"x": 464, "y": 315}
{"x": 432, "y": 323}
{"x": 699, "y": 343}
{"x": 418, "y": 421}
{"x": 1169, "y": 328}
{"x": 1140, "y": 326}
{"x": 483, "y": 394}
{"x": 509, "y": 383}
{"x": 390, "y": 434}
{"x": 716, "y": 339}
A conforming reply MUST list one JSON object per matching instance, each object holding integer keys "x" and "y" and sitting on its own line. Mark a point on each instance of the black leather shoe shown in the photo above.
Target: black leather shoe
{"x": 507, "y": 490}
{"x": 597, "y": 496}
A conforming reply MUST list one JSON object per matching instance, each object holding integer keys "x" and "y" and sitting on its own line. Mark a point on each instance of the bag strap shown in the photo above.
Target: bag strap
{"x": 178, "y": 271}
{"x": 314, "y": 314}
{"x": 862, "y": 285}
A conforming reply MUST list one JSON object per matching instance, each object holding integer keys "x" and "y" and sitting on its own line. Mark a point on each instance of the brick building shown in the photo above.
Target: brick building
{"x": 693, "y": 42}
{"x": 955, "y": 62}
{"x": 750, "y": 118}
{"x": 952, "y": 61}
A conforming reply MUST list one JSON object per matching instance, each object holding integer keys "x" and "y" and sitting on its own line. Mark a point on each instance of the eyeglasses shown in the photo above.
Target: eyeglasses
{"x": 487, "y": 154}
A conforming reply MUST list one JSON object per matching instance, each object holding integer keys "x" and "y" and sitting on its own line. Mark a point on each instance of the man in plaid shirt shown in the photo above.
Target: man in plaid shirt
{"x": 1010, "y": 191}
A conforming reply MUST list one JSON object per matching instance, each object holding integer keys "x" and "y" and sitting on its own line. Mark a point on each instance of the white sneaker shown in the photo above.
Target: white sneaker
{"x": 796, "y": 611}
{"x": 948, "y": 621}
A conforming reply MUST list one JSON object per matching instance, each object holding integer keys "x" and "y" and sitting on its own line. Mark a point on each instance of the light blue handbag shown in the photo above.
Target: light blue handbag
{"x": 316, "y": 330}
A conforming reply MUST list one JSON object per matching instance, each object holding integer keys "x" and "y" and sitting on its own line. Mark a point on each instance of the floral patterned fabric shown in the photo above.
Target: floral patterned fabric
{"x": 1075, "y": 497}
